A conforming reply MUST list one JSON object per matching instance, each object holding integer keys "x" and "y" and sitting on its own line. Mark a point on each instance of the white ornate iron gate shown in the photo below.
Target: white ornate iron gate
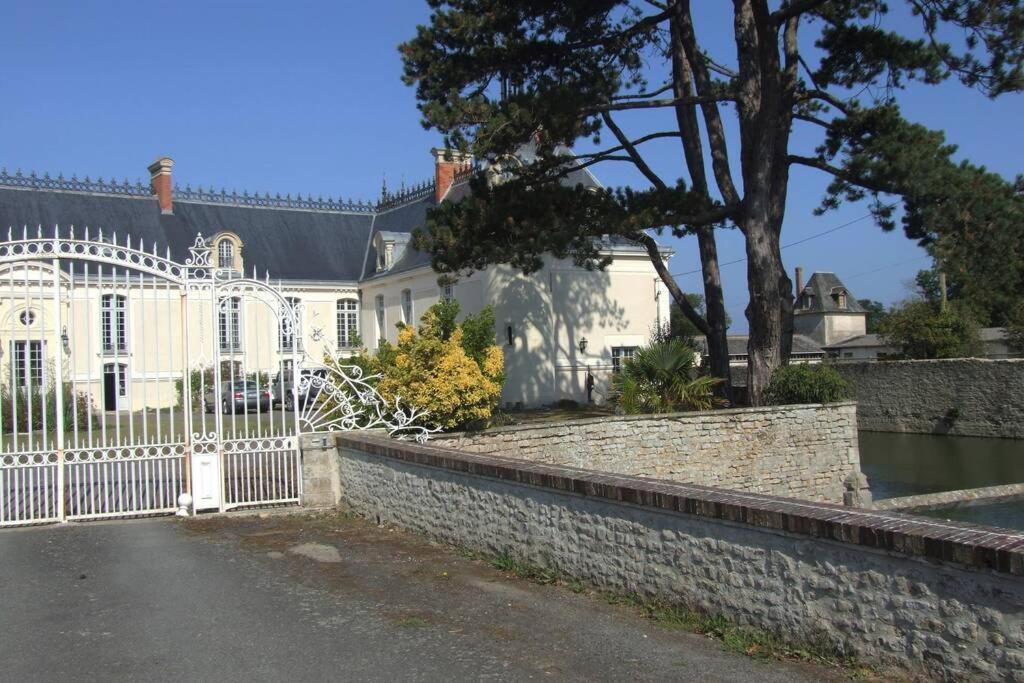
{"x": 129, "y": 379}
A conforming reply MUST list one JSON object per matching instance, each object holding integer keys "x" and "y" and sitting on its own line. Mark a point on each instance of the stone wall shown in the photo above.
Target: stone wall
{"x": 966, "y": 397}
{"x": 941, "y": 598}
{"x": 806, "y": 451}
{"x": 950, "y": 500}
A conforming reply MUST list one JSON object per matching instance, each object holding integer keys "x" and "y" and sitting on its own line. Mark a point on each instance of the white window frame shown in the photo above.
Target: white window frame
{"x": 381, "y": 317}
{"x": 27, "y": 371}
{"x": 407, "y": 307}
{"x": 292, "y": 342}
{"x": 226, "y": 252}
{"x": 229, "y": 336}
{"x": 348, "y": 322}
{"x": 114, "y": 323}
{"x": 620, "y": 354}
{"x": 448, "y": 293}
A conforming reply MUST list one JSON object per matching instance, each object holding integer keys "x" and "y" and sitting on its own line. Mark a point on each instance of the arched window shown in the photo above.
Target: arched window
{"x": 113, "y": 325}
{"x": 381, "y": 318}
{"x": 348, "y": 323}
{"x": 226, "y": 254}
{"x": 407, "y": 306}
{"x": 229, "y": 327}
{"x": 289, "y": 340}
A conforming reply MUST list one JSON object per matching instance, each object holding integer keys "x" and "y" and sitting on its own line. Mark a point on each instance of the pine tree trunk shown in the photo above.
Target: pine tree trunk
{"x": 768, "y": 285}
{"x": 714, "y": 300}
{"x": 767, "y": 86}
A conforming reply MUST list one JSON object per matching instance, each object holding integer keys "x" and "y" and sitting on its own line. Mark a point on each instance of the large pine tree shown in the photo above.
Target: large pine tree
{"x": 492, "y": 75}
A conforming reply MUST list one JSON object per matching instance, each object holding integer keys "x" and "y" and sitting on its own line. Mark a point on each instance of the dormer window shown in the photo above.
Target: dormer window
{"x": 808, "y": 300}
{"x": 839, "y": 296}
{"x": 385, "y": 254}
{"x": 226, "y": 255}
{"x": 389, "y": 247}
{"x": 228, "y": 248}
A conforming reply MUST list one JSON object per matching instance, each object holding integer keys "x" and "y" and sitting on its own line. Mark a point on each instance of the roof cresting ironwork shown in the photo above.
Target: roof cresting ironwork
{"x": 388, "y": 199}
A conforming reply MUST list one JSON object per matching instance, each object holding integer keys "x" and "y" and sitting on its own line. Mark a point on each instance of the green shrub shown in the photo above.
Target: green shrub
{"x": 662, "y": 378}
{"x": 922, "y": 329}
{"x": 15, "y": 418}
{"x": 805, "y": 383}
{"x": 1015, "y": 328}
{"x": 452, "y": 371}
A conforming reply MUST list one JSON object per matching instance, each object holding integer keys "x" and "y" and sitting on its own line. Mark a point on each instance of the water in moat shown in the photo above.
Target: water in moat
{"x": 911, "y": 464}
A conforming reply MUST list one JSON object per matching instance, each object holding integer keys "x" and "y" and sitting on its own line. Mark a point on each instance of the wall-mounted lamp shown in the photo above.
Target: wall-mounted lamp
{"x": 65, "y": 342}
{"x": 583, "y": 344}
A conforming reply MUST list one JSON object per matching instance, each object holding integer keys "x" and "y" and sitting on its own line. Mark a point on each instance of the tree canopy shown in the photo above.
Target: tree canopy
{"x": 876, "y": 313}
{"x": 922, "y": 329}
{"x": 494, "y": 76}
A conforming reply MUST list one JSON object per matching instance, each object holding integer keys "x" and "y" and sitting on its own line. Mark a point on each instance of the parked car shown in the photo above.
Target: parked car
{"x": 240, "y": 397}
{"x": 282, "y": 391}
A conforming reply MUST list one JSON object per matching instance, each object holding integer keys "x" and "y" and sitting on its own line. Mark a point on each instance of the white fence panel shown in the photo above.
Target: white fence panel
{"x": 123, "y": 482}
{"x": 261, "y": 472}
{"x": 29, "y": 488}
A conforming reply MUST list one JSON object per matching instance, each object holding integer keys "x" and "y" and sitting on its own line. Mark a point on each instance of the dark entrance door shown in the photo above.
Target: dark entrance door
{"x": 109, "y": 387}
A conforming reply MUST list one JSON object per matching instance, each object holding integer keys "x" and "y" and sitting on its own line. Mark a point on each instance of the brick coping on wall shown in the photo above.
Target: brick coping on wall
{"x": 970, "y": 545}
{"x": 604, "y": 419}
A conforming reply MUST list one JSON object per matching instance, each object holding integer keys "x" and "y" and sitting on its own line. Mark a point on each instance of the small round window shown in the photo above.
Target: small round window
{"x": 27, "y": 318}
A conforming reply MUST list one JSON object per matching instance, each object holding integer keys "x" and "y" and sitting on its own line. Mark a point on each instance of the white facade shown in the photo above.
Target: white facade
{"x": 543, "y": 319}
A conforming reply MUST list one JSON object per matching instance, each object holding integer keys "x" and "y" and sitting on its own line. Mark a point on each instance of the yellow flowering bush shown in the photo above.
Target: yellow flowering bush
{"x": 455, "y": 372}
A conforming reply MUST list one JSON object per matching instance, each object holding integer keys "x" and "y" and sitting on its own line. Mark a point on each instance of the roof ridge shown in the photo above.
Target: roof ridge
{"x": 255, "y": 200}
{"x": 388, "y": 200}
{"x": 34, "y": 181}
{"x": 405, "y": 195}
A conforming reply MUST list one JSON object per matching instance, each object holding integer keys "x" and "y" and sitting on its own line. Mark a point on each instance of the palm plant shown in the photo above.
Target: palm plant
{"x": 662, "y": 378}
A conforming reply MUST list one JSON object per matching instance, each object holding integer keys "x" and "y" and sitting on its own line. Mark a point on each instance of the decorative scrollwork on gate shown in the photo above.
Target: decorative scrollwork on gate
{"x": 341, "y": 398}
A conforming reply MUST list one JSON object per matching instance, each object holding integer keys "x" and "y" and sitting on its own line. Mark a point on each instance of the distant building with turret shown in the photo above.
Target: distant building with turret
{"x": 825, "y": 310}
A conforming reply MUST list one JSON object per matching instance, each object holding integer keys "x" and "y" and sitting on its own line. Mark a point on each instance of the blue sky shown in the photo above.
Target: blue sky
{"x": 306, "y": 97}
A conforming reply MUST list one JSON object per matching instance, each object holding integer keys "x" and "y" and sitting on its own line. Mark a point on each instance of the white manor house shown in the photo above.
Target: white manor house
{"x": 347, "y": 267}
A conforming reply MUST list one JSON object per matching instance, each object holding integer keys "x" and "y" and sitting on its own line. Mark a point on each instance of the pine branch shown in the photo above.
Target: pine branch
{"x": 680, "y": 298}
{"x": 712, "y": 116}
{"x": 794, "y": 9}
{"x": 630, "y": 148}
{"x": 660, "y": 104}
{"x": 841, "y": 174}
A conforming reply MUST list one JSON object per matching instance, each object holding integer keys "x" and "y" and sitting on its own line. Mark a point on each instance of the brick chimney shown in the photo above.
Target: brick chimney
{"x": 445, "y": 171}
{"x": 799, "y": 281}
{"x": 160, "y": 183}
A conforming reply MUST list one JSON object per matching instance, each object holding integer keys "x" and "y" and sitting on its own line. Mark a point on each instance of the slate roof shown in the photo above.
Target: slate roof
{"x": 860, "y": 341}
{"x": 404, "y": 218}
{"x": 738, "y": 344}
{"x": 821, "y": 288}
{"x": 985, "y": 334}
{"x": 290, "y": 244}
{"x": 291, "y": 240}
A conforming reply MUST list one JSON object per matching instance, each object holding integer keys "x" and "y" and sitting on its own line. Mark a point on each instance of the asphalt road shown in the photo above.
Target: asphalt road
{"x": 315, "y": 598}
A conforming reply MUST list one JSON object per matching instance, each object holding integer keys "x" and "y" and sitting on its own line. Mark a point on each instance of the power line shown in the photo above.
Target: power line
{"x": 790, "y": 244}
{"x": 886, "y": 267}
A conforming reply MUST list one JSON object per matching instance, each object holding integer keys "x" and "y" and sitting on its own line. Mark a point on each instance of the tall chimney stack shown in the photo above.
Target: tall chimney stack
{"x": 160, "y": 183}
{"x": 799, "y": 281}
{"x": 445, "y": 171}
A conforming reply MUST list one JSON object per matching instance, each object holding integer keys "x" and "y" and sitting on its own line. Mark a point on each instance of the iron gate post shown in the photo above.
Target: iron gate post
{"x": 59, "y": 390}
